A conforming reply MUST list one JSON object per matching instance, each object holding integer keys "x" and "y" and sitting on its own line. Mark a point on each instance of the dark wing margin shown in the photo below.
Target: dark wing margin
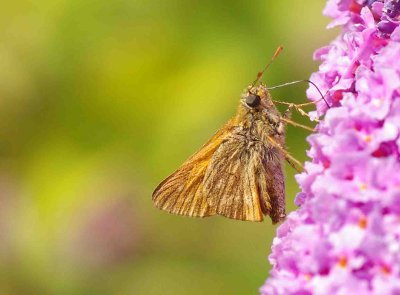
{"x": 183, "y": 192}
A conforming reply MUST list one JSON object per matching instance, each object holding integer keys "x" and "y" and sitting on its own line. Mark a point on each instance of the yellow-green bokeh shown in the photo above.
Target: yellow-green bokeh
{"x": 99, "y": 101}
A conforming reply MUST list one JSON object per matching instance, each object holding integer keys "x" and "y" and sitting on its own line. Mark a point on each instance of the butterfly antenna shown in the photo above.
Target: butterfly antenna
{"x": 260, "y": 74}
{"x": 302, "y": 81}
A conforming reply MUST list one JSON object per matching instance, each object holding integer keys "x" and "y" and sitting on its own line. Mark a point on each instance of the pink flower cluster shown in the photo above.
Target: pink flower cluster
{"x": 345, "y": 237}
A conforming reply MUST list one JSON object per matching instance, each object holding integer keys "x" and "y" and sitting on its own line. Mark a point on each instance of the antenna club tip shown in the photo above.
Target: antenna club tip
{"x": 278, "y": 50}
{"x": 260, "y": 74}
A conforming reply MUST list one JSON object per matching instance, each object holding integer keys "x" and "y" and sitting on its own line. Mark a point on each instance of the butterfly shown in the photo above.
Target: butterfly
{"x": 238, "y": 173}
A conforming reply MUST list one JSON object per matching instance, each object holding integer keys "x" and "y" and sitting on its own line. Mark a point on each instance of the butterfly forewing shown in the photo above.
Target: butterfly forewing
{"x": 231, "y": 180}
{"x": 183, "y": 192}
{"x": 239, "y": 178}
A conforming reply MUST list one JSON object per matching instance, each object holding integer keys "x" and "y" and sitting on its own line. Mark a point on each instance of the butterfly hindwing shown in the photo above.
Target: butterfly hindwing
{"x": 274, "y": 184}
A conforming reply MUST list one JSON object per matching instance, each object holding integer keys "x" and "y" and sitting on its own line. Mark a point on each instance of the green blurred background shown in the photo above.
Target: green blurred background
{"x": 99, "y": 101}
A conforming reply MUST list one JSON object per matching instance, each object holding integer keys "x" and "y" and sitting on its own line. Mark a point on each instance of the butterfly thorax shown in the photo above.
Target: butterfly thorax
{"x": 260, "y": 121}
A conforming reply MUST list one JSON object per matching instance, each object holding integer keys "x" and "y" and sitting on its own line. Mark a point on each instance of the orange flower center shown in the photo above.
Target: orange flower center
{"x": 342, "y": 261}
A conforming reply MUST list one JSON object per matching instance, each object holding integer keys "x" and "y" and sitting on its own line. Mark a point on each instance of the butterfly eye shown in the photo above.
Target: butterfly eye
{"x": 253, "y": 100}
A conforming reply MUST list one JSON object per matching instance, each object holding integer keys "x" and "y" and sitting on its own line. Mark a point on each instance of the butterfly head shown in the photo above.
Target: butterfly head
{"x": 256, "y": 98}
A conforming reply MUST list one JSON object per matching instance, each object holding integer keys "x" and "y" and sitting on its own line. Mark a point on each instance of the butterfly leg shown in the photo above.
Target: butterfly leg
{"x": 288, "y": 113}
{"x": 294, "y": 163}
{"x": 288, "y": 157}
{"x": 293, "y": 123}
{"x": 298, "y": 108}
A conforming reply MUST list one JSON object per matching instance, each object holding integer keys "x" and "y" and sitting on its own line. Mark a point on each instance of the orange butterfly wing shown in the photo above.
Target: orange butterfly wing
{"x": 245, "y": 181}
{"x": 230, "y": 176}
{"x": 183, "y": 191}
